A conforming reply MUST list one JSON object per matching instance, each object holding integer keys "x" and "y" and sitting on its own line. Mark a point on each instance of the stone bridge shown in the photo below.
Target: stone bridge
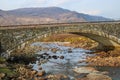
{"x": 16, "y": 36}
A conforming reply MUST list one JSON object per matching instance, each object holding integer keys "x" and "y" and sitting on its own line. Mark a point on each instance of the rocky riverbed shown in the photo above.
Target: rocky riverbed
{"x": 110, "y": 58}
{"x": 53, "y": 61}
{"x": 64, "y": 60}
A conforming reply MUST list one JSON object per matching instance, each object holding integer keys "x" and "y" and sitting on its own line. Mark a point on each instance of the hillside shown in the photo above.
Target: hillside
{"x": 44, "y": 15}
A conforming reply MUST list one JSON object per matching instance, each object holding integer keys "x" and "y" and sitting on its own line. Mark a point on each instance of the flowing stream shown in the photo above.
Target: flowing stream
{"x": 57, "y": 59}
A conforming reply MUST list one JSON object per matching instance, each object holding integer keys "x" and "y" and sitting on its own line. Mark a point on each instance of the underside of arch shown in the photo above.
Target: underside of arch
{"x": 105, "y": 44}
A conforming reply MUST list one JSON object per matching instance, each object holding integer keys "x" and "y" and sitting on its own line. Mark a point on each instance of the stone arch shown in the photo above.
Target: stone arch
{"x": 109, "y": 32}
{"x": 106, "y": 41}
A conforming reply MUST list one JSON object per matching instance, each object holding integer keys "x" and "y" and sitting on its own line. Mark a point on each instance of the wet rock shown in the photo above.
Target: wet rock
{"x": 39, "y": 62}
{"x": 46, "y": 54}
{"x": 54, "y": 56}
{"x": 82, "y": 79}
{"x": 82, "y": 75}
{"x": 41, "y": 56}
{"x": 58, "y": 77}
{"x": 81, "y": 61}
{"x": 54, "y": 50}
{"x": 42, "y": 79}
{"x": 84, "y": 70}
{"x": 105, "y": 73}
{"x": 40, "y": 74}
{"x": 40, "y": 68}
{"x": 33, "y": 72}
{"x": 46, "y": 49}
{"x": 94, "y": 76}
{"x": 69, "y": 50}
{"x": 43, "y": 61}
{"x": 89, "y": 52}
{"x": 49, "y": 57}
{"x": 61, "y": 57}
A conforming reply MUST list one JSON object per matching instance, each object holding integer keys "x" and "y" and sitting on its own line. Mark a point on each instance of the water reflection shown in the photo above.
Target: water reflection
{"x": 57, "y": 65}
{"x": 65, "y": 65}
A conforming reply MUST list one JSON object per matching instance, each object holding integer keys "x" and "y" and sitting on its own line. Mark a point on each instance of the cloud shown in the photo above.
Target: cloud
{"x": 37, "y": 1}
{"x": 93, "y": 12}
{"x": 58, "y": 2}
{"x": 40, "y": 1}
{"x": 51, "y": 2}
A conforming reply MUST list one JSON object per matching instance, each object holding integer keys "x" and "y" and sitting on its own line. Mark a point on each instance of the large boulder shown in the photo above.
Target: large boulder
{"x": 91, "y": 74}
{"x": 85, "y": 70}
{"x": 95, "y": 76}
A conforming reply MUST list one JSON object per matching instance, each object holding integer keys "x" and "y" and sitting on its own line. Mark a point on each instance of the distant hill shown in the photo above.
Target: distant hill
{"x": 44, "y": 15}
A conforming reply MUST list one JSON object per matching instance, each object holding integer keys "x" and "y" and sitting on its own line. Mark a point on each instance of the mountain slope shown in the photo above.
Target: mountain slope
{"x": 44, "y": 15}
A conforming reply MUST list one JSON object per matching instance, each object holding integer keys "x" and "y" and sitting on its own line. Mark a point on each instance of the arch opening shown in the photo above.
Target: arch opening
{"x": 105, "y": 44}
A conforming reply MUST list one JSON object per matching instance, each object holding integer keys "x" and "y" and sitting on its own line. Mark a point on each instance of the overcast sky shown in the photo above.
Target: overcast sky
{"x": 106, "y": 8}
